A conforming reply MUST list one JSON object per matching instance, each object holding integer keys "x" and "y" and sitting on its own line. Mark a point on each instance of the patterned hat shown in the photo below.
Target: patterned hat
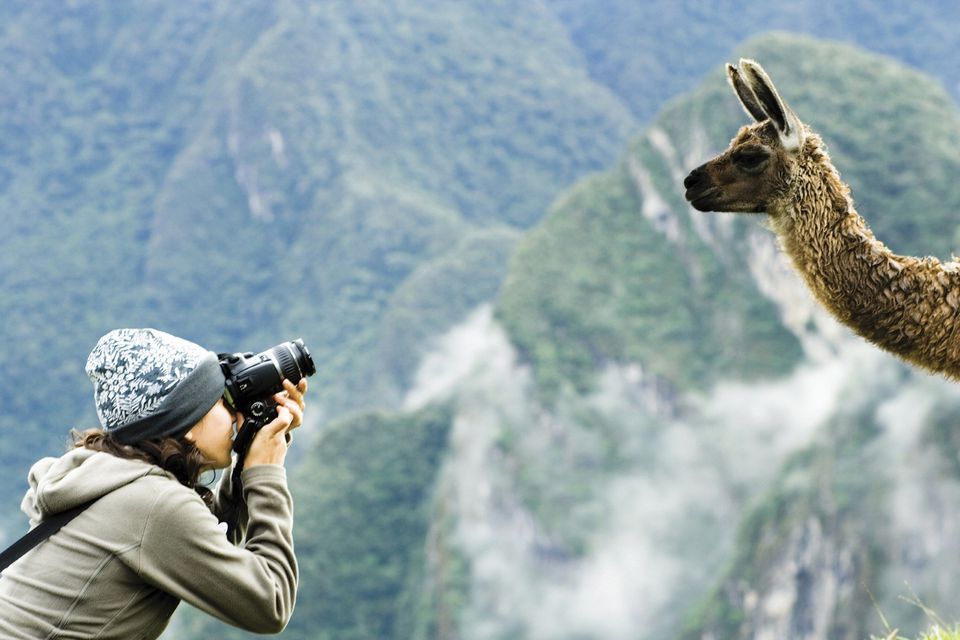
{"x": 150, "y": 384}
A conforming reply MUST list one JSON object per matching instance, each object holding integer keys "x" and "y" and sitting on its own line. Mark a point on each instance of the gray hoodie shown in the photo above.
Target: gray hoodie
{"x": 123, "y": 565}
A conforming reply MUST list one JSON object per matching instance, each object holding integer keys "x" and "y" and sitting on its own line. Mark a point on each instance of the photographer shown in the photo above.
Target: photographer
{"x": 153, "y": 535}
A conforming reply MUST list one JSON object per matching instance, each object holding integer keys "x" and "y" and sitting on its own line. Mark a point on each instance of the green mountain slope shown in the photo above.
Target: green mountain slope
{"x": 692, "y": 446}
{"x": 622, "y": 269}
{"x": 359, "y": 174}
{"x": 244, "y": 173}
{"x": 597, "y": 283}
{"x": 650, "y": 52}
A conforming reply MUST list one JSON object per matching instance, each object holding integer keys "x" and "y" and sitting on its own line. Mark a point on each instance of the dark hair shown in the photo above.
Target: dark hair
{"x": 179, "y": 456}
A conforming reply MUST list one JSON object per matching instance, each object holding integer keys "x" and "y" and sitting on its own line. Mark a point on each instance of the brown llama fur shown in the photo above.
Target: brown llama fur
{"x": 908, "y": 306}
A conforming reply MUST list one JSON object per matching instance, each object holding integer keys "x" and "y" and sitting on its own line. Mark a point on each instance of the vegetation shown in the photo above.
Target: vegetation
{"x": 597, "y": 282}
{"x": 245, "y": 174}
{"x": 646, "y": 73}
{"x": 935, "y": 633}
{"x": 363, "y": 174}
{"x": 798, "y": 498}
{"x": 939, "y": 631}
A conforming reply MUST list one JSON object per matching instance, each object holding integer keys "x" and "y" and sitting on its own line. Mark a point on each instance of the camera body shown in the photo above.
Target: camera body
{"x": 253, "y": 379}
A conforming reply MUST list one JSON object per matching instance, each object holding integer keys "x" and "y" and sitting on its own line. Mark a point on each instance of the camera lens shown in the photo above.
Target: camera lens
{"x": 288, "y": 364}
{"x": 304, "y": 358}
{"x": 294, "y": 360}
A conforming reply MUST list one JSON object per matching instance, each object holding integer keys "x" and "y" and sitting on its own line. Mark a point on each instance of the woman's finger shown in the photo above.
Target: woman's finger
{"x": 293, "y": 399}
{"x": 295, "y": 392}
{"x": 296, "y": 411}
{"x": 281, "y": 423}
{"x": 297, "y": 414}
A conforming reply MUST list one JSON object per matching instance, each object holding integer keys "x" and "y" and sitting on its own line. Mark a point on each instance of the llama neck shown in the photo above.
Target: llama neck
{"x": 828, "y": 241}
{"x": 906, "y": 305}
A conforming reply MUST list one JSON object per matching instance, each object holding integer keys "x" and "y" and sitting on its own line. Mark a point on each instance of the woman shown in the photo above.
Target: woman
{"x": 152, "y": 536}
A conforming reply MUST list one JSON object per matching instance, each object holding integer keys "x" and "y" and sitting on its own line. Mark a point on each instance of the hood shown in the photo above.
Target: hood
{"x": 81, "y": 475}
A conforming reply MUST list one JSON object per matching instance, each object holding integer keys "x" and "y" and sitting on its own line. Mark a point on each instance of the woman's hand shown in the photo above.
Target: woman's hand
{"x": 270, "y": 444}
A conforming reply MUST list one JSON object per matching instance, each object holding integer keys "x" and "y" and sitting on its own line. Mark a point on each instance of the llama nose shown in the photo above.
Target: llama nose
{"x": 695, "y": 176}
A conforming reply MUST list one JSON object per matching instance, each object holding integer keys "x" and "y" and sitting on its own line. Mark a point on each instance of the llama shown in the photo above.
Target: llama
{"x": 908, "y": 306}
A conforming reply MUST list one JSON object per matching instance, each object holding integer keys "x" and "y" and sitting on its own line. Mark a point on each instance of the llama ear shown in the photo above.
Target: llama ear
{"x": 786, "y": 121}
{"x": 747, "y": 100}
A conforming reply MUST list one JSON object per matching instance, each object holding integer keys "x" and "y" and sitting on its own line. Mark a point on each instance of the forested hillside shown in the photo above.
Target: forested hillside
{"x": 552, "y": 400}
{"x": 165, "y": 164}
{"x": 674, "y": 289}
{"x": 649, "y": 52}
{"x": 242, "y": 173}
{"x": 656, "y": 433}
{"x": 700, "y": 302}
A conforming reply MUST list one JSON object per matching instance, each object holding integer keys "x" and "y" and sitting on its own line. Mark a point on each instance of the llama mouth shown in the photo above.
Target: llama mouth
{"x": 702, "y": 200}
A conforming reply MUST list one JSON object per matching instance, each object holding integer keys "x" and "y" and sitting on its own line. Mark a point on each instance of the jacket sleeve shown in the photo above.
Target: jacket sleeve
{"x": 185, "y": 552}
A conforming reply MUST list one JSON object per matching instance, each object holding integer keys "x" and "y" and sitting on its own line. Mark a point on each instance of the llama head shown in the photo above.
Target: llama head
{"x": 757, "y": 167}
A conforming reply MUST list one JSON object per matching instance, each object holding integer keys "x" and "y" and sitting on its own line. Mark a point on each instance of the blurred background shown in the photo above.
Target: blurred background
{"x": 552, "y": 400}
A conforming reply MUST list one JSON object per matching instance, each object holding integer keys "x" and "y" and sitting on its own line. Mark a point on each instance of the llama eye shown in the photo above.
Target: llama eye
{"x": 749, "y": 159}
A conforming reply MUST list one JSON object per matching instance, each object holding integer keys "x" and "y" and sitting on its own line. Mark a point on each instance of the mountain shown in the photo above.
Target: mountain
{"x": 542, "y": 410}
{"x": 650, "y": 52}
{"x": 848, "y": 518}
{"x": 243, "y": 173}
{"x": 678, "y": 290}
{"x": 196, "y": 166}
{"x": 606, "y": 465}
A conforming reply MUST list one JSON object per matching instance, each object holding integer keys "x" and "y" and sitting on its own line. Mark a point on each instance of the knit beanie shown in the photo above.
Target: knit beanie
{"x": 150, "y": 384}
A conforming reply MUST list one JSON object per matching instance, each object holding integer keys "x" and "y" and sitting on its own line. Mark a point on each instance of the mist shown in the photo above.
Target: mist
{"x": 639, "y": 541}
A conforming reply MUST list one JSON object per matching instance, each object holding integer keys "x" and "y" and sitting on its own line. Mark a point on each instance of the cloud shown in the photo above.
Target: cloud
{"x": 639, "y": 539}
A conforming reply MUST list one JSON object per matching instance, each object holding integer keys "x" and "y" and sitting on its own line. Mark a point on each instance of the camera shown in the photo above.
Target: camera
{"x": 252, "y": 379}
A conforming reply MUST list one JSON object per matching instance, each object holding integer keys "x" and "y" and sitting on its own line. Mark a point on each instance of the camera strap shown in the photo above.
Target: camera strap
{"x": 38, "y": 534}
